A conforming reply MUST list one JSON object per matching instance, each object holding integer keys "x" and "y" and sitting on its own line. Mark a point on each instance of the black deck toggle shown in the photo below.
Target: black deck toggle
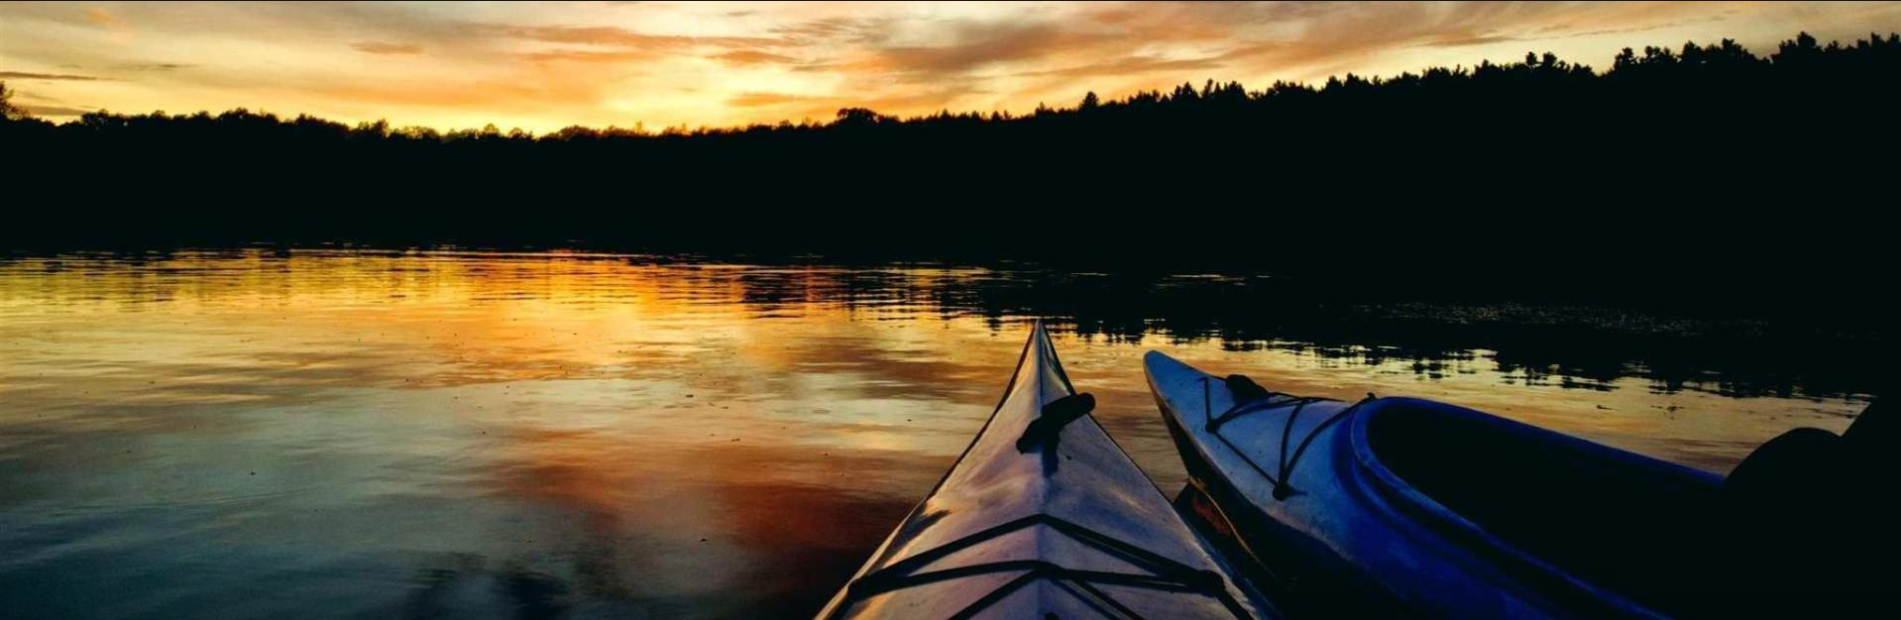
{"x": 1057, "y": 414}
{"x": 1245, "y": 390}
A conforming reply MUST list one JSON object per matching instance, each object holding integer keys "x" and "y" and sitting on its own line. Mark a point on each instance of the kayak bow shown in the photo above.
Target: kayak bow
{"x": 1044, "y": 517}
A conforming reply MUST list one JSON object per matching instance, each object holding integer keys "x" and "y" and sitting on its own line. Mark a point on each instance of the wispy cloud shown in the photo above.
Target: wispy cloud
{"x": 53, "y": 110}
{"x": 753, "y": 57}
{"x": 144, "y": 67}
{"x": 59, "y": 77}
{"x": 1468, "y": 40}
{"x": 608, "y": 36}
{"x": 975, "y": 45}
{"x": 754, "y": 100}
{"x": 379, "y": 47}
{"x": 1133, "y": 65}
{"x": 104, "y": 19}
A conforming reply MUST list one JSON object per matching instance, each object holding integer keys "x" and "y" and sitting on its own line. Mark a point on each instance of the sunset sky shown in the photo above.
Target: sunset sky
{"x": 544, "y": 65}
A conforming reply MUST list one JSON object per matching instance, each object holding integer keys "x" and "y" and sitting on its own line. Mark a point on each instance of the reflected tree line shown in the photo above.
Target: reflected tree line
{"x": 1735, "y": 353}
{"x": 1738, "y": 350}
{"x": 1705, "y": 175}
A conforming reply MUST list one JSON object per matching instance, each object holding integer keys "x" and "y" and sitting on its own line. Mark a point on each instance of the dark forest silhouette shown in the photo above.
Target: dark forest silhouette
{"x": 1691, "y": 174}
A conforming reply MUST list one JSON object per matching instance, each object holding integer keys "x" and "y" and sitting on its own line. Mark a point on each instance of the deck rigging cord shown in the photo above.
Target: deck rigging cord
{"x": 1166, "y": 574}
{"x": 1250, "y": 397}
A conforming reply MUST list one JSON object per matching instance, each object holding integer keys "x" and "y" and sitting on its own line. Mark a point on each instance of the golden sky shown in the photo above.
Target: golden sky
{"x": 544, "y": 65}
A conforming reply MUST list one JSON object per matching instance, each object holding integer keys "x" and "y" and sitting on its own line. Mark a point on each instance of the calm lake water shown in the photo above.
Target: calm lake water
{"x": 312, "y": 434}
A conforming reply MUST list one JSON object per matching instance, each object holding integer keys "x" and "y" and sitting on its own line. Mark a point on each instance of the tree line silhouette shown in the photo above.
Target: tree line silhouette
{"x": 1675, "y": 174}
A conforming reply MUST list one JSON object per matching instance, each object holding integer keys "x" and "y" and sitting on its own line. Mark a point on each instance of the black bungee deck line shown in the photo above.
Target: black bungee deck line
{"x": 1167, "y": 575}
{"x": 1283, "y": 488}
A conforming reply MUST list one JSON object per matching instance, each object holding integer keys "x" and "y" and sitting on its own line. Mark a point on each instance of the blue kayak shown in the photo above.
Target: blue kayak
{"x": 1043, "y": 517}
{"x": 1400, "y": 507}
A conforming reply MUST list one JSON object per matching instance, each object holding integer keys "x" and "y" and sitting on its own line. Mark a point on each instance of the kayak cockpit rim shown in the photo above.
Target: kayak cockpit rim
{"x": 1549, "y": 577}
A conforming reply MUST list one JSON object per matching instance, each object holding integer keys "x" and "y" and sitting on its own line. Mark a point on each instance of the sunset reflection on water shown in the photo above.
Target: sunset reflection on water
{"x": 357, "y": 434}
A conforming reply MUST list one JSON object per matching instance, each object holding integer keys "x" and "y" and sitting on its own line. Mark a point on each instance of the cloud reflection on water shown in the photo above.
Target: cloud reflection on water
{"x": 418, "y": 435}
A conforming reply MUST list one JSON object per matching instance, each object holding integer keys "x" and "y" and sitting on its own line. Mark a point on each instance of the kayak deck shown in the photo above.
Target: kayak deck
{"x": 1050, "y": 522}
{"x": 1436, "y": 510}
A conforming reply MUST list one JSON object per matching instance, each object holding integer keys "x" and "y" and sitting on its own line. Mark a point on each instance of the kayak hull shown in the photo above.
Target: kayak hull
{"x": 1303, "y": 485}
{"x": 1044, "y": 515}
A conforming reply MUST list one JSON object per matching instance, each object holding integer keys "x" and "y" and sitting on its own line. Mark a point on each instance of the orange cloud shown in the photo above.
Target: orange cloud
{"x": 753, "y": 57}
{"x": 754, "y": 100}
{"x": 103, "y": 18}
{"x": 606, "y": 36}
{"x": 110, "y": 22}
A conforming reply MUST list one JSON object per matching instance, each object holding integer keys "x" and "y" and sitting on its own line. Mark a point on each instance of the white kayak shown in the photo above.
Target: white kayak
{"x": 1044, "y": 517}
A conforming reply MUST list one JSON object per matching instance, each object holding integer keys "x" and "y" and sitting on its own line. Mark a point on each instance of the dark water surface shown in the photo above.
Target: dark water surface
{"x": 374, "y": 435}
